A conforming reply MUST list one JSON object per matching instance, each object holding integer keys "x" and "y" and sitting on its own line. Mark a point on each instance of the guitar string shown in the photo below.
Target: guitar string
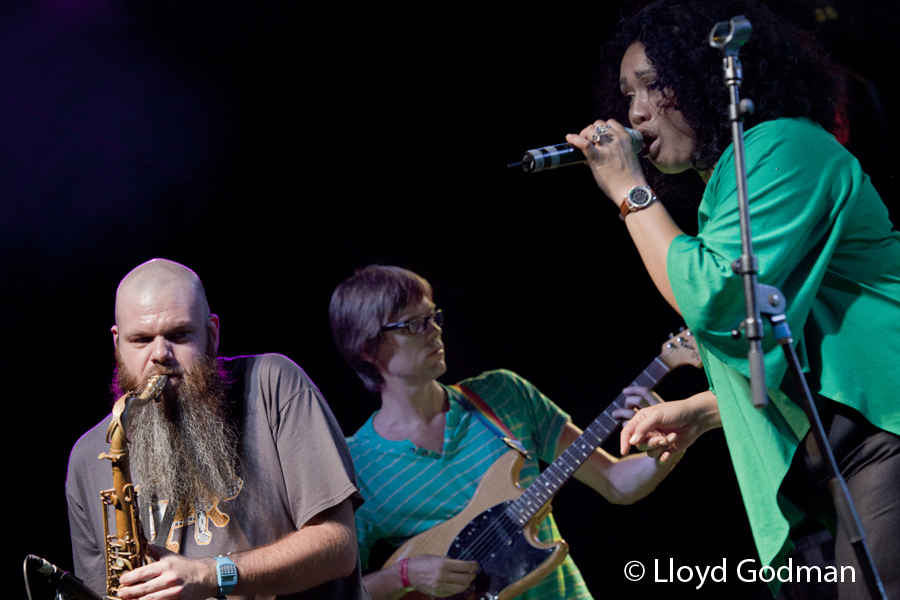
{"x": 490, "y": 539}
{"x": 495, "y": 535}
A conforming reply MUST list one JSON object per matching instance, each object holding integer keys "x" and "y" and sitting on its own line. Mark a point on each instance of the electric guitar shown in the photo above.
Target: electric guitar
{"x": 498, "y": 528}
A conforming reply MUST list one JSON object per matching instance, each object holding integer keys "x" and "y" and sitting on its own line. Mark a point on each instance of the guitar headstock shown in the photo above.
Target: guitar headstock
{"x": 681, "y": 349}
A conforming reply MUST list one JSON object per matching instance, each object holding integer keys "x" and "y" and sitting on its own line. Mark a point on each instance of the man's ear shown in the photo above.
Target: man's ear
{"x": 369, "y": 351}
{"x": 213, "y": 330}
{"x": 370, "y": 355}
{"x": 115, "y": 332}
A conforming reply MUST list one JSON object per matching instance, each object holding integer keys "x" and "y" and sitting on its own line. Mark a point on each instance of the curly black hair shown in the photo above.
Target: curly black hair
{"x": 785, "y": 71}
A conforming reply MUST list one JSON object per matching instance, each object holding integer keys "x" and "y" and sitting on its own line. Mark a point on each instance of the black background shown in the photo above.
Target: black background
{"x": 274, "y": 147}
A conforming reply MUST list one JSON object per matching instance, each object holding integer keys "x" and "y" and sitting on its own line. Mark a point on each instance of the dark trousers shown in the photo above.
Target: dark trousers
{"x": 869, "y": 460}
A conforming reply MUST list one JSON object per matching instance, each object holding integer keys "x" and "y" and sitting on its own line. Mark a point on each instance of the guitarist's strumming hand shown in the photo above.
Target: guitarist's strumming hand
{"x": 440, "y": 576}
{"x": 668, "y": 428}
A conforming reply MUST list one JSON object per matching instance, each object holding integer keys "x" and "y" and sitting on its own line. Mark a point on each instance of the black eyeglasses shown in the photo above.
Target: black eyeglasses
{"x": 417, "y": 325}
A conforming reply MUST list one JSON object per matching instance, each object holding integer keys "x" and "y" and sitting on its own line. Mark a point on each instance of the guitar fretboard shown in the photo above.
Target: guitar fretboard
{"x": 542, "y": 490}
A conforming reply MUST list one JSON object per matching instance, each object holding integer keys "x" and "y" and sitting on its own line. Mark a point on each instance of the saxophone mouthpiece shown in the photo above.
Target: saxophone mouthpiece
{"x": 121, "y": 410}
{"x": 154, "y": 388}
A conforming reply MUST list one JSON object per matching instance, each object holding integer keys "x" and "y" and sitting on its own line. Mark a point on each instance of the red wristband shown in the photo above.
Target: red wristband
{"x": 404, "y": 575}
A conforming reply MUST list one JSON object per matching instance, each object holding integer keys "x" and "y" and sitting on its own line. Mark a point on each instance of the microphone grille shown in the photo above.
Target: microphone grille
{"x": 637, "y": 140}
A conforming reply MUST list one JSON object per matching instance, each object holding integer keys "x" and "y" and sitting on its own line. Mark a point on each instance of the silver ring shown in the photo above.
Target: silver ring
{"x": 601, "y": 131}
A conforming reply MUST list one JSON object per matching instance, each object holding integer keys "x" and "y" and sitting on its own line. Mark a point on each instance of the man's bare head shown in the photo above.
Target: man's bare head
{"x": 163, "y": 324}
{"x": 154, "y": 276}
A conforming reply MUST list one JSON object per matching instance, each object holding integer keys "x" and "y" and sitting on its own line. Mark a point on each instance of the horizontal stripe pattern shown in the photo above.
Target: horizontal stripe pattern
{"x": 409, "y": 490}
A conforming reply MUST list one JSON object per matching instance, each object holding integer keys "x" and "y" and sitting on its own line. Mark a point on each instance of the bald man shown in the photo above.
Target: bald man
{"x": 241, "y": 457}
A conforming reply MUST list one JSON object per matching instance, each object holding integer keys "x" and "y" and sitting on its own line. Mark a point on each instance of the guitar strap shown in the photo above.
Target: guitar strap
{"x": 473, "y": 403}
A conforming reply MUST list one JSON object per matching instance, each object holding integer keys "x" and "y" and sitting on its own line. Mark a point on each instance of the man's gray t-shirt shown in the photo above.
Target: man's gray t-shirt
{"x": 294, "y": 464}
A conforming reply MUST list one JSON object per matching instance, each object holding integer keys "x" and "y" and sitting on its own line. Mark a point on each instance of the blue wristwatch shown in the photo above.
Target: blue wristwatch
{"x": 226, "y": 575}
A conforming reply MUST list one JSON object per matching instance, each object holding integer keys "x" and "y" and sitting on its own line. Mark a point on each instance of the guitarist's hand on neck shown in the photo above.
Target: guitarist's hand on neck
{"x": 636, "y": 398}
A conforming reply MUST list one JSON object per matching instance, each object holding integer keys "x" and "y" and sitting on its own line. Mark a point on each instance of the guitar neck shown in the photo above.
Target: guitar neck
{"x": 542, "y": 490}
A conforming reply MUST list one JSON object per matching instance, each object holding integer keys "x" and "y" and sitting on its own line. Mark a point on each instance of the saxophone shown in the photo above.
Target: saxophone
{"x": 126, "y": 550}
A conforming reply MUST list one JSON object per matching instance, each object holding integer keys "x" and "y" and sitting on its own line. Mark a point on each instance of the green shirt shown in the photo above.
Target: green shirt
{"x": 823, "y": 237}
{"x": 409, "y": 490}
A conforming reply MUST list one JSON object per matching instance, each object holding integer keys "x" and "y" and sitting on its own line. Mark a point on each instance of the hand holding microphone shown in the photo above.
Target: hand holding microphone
{"x": 560, "y": 155}
{"x": 605, "y": 147}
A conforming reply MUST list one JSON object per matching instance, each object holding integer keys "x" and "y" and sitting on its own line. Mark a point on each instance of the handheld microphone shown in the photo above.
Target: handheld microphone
{"x": 560, "y": 155}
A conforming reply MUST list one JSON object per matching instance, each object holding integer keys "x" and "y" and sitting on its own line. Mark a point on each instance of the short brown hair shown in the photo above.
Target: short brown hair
{"x": 362, "y": 304}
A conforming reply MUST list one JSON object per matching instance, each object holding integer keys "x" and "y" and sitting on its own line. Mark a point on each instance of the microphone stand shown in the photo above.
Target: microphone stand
{"x": 729, "y": 37}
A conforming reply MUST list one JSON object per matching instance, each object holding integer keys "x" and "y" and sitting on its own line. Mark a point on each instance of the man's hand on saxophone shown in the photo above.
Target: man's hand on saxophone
{"x": 325, "y": 545}
{"x": 171, "y": 576}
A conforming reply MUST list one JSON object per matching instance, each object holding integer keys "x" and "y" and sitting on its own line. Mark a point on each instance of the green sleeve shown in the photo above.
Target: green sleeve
{"x": 794, "y": 211}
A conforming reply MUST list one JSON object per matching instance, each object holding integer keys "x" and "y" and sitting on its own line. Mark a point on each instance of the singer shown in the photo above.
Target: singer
{"x": 821, "y": 233}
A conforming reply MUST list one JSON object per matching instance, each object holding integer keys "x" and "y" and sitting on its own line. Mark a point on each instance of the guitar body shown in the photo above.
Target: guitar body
{"x": 518, "y": 559}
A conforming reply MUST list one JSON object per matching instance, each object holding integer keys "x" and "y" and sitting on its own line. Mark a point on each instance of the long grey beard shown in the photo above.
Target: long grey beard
{"x": 184, "y": 450}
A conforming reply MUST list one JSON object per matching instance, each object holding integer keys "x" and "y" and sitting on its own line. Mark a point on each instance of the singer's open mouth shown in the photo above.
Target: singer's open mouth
{"x": 648, "y": 142}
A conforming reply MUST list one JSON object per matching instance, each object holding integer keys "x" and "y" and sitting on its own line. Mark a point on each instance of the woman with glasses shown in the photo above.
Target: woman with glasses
{"x": 419, "y": 459}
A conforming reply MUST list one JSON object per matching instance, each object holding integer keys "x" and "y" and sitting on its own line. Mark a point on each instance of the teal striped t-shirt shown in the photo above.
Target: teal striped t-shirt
{"x": 409, "y": 490}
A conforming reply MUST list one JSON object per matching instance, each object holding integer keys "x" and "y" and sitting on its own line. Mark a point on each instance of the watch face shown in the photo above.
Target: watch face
{"x": 639, "y": 196}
